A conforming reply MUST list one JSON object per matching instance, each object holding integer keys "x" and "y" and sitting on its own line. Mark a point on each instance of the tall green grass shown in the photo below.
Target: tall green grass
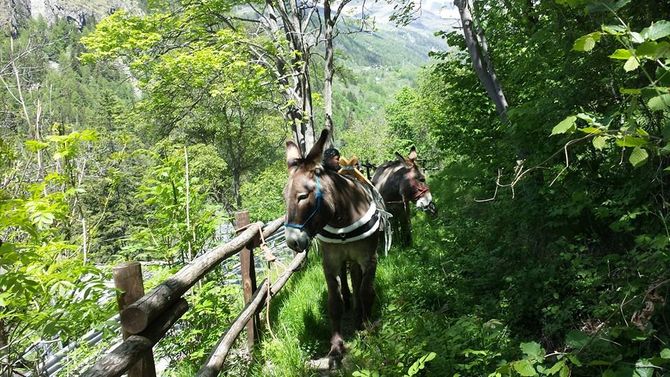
{"x": 299, "y": 322}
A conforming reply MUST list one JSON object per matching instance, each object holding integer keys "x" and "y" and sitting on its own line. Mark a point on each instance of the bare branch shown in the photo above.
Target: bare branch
{"x": 519, "y": 171}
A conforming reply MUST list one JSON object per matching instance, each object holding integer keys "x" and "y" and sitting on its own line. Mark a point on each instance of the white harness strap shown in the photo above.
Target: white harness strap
{"x": 352, "y": 239}
{"x": 350, "y": 228}
{"x": 362, "y": 221}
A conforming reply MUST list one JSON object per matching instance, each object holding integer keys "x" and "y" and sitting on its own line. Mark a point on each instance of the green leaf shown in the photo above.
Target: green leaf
{"x": 587, "y": 42}
{"x": 600, "y": 142}
{"x": 42, "y": 219}
{"x": 659, "y": 103}
{"x": 614, "y": 29}
{"x": 631, "y": 141}
{"x": 644, "y": 368}
{"x": 642, "y": 132}
{"x": 524, "y": 368}
{"x": 631, "y": 64}
{"x": 657, "y": 30}
{"x": 574, "y": 360}
{"x": 532, "y": 350}
{"x": 555, "y": 368}
{"x": 630, "y": 91}
{"x": 35, "y": 145}
{"x": 591, "y": 130}
{"x": 662, "y": 50}
{"x": 638, "y": 157}
{"x": 647, "y": 49}
{"x": 565, "y": 371}
{"x": 587, "y": 118}
{"x": 636, "y": 37}
{"x": 566, "y": 125}
{"x": 665, "y": 353}
{"x": 621, "y": 54}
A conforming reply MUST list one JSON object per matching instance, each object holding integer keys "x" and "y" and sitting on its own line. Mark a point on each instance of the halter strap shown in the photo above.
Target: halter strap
{"x": 319, "y": 200}
{"x": 421, "y": 192}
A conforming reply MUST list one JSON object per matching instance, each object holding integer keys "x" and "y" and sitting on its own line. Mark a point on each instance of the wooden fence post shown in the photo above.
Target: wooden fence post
{"x": 128, "y": 280}
{"x": 248, "y": 277}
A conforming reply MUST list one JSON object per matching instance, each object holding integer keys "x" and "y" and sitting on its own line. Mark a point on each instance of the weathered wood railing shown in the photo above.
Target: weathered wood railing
{"x": 147, "y": 319}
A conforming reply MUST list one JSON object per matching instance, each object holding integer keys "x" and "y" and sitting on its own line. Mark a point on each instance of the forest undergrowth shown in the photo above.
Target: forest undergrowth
{"x": 451, "y": 305}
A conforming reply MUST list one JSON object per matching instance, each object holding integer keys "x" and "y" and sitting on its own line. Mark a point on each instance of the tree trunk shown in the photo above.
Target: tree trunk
{"x": 329, "y": 33}
{"x": 481, "y": 63}
{"x": 329, "y": 72}
{"x": 237, "y": 177}
{"x": 4, "y": 349}
{"x": 298, "y": 89}
{"x": 187, "y": 184}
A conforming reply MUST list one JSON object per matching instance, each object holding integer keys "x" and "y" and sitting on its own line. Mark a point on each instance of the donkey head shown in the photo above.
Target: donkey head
{"x": 306, "y": 209}
{"x": 414, "y": 185}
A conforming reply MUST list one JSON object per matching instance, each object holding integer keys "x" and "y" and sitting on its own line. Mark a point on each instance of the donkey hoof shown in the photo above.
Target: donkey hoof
{"x": 336, "y": 347}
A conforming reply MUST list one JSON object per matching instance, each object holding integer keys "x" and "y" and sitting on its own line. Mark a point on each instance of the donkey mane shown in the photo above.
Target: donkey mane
{"x": 389, "y": 164}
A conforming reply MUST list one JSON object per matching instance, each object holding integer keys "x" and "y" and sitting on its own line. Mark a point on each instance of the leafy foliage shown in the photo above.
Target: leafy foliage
{"x": 576, "y": 245}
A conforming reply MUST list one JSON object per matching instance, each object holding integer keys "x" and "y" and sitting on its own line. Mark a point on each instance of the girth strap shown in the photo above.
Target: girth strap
{"x": 360, "y": 229}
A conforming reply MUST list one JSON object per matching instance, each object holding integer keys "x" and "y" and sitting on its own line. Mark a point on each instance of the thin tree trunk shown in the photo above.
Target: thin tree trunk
{"x": 4, "y": 349}
{"x": 236, "y": 188}
{"x": 188, "y": 205}
{"x": 84, "y": 239}
{"x": 297, "y": 85}
{"x": 481, "y": 63}
{"x": 329, "y": 33}
{"x": 329, "y": 72}
{"x": 22, "y": 101}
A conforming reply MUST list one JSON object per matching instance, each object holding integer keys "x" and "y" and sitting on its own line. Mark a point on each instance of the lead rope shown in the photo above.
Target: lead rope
{"x": 269, "y": 257}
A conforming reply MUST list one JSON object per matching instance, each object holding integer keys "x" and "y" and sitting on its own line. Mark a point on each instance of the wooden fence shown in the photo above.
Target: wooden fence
{"x": 146, "y": 318}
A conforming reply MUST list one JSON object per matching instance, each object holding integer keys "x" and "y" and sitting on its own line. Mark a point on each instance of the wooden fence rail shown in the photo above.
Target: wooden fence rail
{"x": 216, "y": 359}
{"x": 146, "y": 321}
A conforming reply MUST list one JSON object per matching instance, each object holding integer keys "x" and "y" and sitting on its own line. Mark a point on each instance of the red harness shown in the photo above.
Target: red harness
{"x": 420, "y": 192}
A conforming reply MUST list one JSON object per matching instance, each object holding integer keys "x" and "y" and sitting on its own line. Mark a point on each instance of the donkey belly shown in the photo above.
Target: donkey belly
{"x": 362, "y": 252}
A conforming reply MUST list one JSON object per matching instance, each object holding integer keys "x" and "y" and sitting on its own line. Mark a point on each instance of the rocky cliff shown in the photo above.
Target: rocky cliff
{"x": 13, "y": 13}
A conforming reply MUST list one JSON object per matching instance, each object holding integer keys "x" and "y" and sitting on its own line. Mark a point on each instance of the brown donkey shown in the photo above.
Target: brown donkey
{"x": 401, "y": 182}
{"x": 340, "y": 213}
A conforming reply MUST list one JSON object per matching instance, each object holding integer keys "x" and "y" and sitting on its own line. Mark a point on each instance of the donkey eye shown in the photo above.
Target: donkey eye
{"x": 422, "y": 179}
{"x": 303, "y": 196}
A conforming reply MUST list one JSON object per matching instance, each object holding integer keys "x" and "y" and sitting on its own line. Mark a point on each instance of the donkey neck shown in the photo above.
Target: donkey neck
{"x": 388, "y": 179}
{"x": 346, "y": 198}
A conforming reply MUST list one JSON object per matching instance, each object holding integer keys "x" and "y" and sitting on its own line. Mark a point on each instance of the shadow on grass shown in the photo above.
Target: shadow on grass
{"x": 316, "y": 328}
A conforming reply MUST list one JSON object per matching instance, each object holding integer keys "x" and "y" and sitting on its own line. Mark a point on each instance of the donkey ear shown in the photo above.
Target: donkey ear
{"x": 316, "y": 153}
{"x": 402, "y": 159}
{"x": 292, "y": 153}
{"x": 412, "y": 154}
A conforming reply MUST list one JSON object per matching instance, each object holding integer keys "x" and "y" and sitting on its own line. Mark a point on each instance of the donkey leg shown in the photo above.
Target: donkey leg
{"x": 346, "y": 293}
{"x": 367, "y": 288}
{"x": 335, "y": 310}
{"x": 356, "y": 277}
{"x": 406, "y": 227}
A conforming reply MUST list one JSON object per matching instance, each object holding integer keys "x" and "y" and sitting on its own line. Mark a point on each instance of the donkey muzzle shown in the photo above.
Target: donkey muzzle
{"x": 296, "y": 239}
{"x": 431, "y": 209}
{"x": 425, "y": 203}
